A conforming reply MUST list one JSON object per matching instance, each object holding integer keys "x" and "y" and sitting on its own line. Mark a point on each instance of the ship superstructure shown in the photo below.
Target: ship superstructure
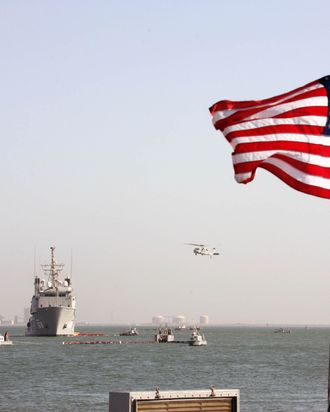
{"x": 53, "y": 303}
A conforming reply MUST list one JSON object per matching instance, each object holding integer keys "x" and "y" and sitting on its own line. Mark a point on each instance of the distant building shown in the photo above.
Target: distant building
{"x": 158, "y": 320}
{"x": 18, "y": 320}
{"x": 26, "y": 315}
{"x": 6, "y": 322}
{"x": 204, "y": 320}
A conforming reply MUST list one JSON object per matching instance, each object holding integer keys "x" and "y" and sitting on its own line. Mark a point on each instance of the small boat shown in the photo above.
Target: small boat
{"x": 164, "y": 335}
{"x": 197, "y": 339}
{"x": 129, "y": 332}
{"x": 4, "y": 339}
{"x": 282, "y": 330}
{"x": 194, "y": 328}
{"x": 180, "y": 327}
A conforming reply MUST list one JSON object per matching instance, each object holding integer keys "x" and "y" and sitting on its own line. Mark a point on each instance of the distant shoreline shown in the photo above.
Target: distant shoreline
{"x": 213, "y": 325}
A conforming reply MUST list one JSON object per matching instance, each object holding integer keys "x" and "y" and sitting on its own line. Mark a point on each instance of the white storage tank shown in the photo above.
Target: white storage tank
{"x": 179, "y": 320}
{"x": 158, "y": 320}
{"x": 204, "y": 320}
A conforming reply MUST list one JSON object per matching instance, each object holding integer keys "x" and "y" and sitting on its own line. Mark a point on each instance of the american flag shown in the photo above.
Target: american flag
{"x": 288, "y": 135}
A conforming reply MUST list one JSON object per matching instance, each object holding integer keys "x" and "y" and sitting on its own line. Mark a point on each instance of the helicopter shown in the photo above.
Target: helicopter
{"x": 203, "y": 250}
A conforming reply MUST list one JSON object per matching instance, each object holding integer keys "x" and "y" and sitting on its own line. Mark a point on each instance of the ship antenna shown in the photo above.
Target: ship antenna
{"x": 53, "y": 265}
{"x": 34, "y": 262}
{"x": 71, "y": 265}
{"x": 52, "y": 262}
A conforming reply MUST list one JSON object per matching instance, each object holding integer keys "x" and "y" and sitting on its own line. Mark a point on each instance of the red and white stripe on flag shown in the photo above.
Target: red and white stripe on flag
{"x": 288, "y": 135}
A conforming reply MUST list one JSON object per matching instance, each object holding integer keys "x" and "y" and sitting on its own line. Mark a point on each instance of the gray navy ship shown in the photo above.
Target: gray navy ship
{"x": 53, "y": 303}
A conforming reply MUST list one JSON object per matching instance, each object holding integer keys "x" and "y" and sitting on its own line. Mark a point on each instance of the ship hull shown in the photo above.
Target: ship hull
{"x": 52, "y": 321}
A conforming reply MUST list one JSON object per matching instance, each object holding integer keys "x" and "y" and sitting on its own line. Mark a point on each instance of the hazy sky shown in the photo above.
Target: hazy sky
{"x": 108, "y": 150}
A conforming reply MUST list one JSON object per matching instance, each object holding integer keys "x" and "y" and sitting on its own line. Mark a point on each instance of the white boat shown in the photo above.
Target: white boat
{"x": 129, "y": 332}
{"x": 53, "y": 303}
{"x": 181, "y": 327}
{"x": 164, "y": 335}
{"x": 4, "y": 339}
{"x": 197, "y": 339}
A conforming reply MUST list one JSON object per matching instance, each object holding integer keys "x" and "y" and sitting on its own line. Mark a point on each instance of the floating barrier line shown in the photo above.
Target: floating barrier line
{"x": 108, "y": 342}
{"x": 118, "y": 342}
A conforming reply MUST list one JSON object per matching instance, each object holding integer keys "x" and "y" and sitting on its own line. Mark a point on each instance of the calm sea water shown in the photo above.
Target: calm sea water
{"x": 275, "y": 372}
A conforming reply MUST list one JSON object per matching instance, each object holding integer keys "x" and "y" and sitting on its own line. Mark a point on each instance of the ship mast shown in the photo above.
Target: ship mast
{"x": 53, "y": 269}
{"x": 53, "y": 273}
